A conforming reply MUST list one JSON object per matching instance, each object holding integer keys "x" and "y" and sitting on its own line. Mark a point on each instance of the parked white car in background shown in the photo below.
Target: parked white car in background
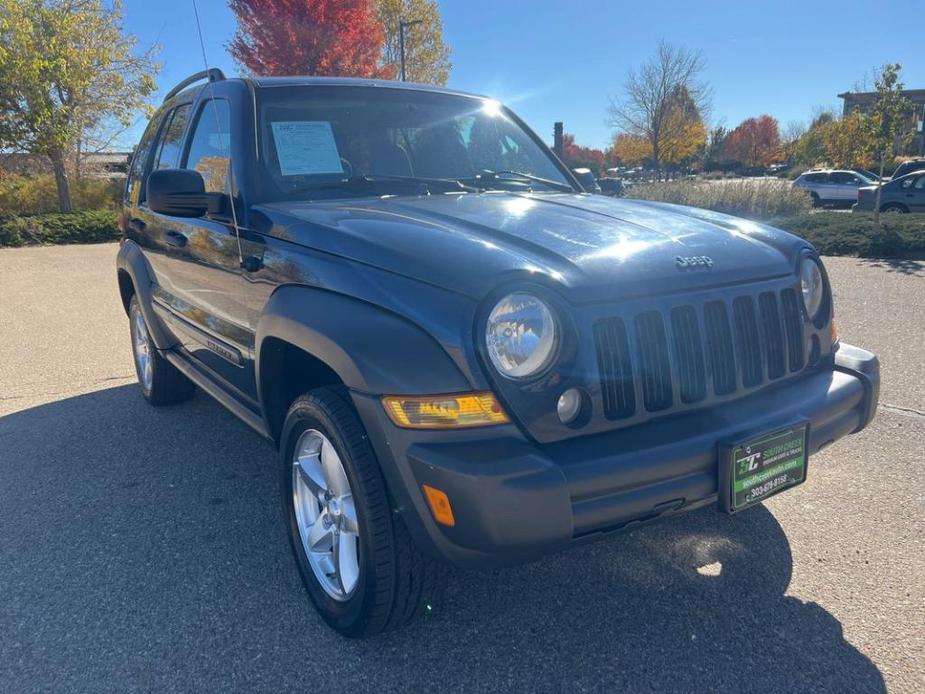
{"x": 832, "y": 186}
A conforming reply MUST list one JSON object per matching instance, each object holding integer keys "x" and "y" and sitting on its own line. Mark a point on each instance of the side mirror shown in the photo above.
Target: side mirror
{"x": 181, "y": 193}
{"x": 587, "y": 180}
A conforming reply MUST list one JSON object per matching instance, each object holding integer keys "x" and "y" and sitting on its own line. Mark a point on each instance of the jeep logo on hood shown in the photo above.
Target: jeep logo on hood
{"x": 693, "y": 262}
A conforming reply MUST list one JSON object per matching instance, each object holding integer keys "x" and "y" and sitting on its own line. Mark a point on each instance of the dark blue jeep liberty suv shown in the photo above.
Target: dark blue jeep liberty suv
{"x": 462, "y": 356}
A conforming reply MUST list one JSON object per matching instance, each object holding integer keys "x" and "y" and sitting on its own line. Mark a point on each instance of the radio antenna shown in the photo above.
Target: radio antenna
{"x": 221, "y": 137}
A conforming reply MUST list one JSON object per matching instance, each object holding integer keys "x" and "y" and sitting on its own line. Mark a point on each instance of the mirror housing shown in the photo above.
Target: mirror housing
{"x": 587, "y": 180}
{"x": 182, "y": 193}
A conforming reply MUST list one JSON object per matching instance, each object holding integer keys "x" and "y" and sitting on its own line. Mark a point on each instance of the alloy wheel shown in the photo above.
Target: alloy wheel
{"x": 326, "y": 515}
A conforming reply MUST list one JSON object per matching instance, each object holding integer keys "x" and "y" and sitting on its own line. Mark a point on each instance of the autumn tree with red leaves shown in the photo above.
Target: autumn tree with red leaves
{"x": 576, "y": 156}
{"x": 755, "y": 142}
{"x": 308, "y": 37}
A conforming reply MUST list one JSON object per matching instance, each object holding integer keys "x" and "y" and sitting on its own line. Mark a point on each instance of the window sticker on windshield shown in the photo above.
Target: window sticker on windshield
{"x": 306, "y": 147}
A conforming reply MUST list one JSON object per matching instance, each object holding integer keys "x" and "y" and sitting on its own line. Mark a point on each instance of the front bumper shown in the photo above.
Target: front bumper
{"x": 515, "y": 500}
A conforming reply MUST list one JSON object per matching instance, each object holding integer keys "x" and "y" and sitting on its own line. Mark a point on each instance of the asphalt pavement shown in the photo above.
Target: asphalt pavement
{"x": 143, "y": 549}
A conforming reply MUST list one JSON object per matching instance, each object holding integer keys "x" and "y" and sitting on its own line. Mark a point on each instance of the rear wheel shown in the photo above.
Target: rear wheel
{"x": 357, "y": 561}
{"x": 161, "y": 383}
{"x": 894, "y": 207}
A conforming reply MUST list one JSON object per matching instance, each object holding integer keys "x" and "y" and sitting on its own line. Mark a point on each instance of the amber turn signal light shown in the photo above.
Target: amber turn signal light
{"x": 439, "y": 504}
{"x": 444, "y": 411}
{"x": 834, "y": 331}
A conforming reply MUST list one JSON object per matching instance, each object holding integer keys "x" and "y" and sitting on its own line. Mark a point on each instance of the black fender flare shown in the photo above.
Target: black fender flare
{"x": 131, "y": 261}
{"x": 371, "y": 349}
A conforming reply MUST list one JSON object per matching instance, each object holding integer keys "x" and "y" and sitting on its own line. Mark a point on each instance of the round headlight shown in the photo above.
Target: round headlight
{"x": 521, "y": 335}
{"x": 811, "y": 281}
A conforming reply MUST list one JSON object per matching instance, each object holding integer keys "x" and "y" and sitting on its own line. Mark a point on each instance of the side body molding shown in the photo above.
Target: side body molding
{"x": 371, "y": 349}
{"x": 131, "y": 261}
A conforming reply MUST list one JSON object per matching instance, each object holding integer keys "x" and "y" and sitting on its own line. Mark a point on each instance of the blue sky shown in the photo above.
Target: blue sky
{"x": 561, "y": 60}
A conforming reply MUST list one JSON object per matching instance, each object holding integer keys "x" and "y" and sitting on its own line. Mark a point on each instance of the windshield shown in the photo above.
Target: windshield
{"x": 320, "y": 142}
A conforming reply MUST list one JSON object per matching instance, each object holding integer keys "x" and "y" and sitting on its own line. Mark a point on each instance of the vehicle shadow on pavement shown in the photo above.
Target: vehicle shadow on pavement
{"x": 144, "y": 548}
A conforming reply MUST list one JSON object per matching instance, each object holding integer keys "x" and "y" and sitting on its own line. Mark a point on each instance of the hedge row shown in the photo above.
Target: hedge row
{"x": 88, "y": 226}
{"x": 855, "y": 234}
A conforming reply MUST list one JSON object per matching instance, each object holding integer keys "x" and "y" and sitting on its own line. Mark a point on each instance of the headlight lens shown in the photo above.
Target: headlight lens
{"x": 811, "y": 281}
{"x": 521, "y": 335}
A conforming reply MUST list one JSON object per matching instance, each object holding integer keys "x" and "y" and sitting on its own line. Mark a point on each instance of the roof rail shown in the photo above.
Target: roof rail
{"x": 213, "y": 74}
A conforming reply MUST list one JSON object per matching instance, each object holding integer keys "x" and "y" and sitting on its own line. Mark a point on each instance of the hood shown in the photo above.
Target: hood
{"x": 592, "y": 247}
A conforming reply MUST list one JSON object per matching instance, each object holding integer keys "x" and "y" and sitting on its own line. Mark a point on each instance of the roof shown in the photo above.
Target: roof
{"x": 299, "y": 81}
{"x": 913, "y": 94}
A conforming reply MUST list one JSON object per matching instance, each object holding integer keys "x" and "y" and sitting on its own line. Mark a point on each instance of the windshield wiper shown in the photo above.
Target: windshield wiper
{"x": 370, "y": 181}
{"x": 515, "y": 177}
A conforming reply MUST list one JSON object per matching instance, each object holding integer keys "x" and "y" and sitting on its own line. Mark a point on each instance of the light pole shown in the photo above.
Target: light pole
{"x": 402, "y": 25}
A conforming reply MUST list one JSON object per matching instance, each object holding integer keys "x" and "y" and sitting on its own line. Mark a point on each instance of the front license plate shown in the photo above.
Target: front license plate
{"x": 753, "y": 469}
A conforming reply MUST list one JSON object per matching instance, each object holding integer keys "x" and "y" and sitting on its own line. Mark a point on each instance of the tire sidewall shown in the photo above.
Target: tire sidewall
{"x": 348, "y": 616}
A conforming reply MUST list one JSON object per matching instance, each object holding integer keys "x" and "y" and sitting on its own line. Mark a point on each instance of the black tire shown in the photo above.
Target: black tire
{"x": 816, "y": 201}
{"x": 396, "y": 582}
{"x": 167, "y": 385}
{"x": 894, "y": 207}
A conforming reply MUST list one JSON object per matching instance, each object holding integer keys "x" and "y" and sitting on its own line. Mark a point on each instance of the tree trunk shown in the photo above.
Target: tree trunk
{"x": 879, "y": 188}
{"x": 64, "y": 187}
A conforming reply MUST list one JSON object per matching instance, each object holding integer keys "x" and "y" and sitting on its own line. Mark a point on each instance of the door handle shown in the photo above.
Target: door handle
{"x": 176, "y": 239}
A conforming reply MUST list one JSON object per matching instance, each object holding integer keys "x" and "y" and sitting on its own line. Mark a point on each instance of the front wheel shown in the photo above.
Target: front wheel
{"x": 894, "y": 207}
{"x": 357, "y": 561}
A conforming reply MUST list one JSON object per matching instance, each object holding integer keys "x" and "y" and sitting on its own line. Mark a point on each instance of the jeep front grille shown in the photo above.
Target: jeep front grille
{"x": 693, "y": 352}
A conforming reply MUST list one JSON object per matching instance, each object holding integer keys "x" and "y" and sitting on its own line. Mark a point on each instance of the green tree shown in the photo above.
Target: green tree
{"x": 427, "y": 57}
{"x": 848, "y": 141}
{"x": 810, "y": 148}
{"x": 888, "y": 120}
{"x": 66, "y": 68}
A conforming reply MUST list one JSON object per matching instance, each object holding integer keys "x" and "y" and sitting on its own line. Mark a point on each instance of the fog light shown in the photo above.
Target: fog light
{"x": 569, "y": 405}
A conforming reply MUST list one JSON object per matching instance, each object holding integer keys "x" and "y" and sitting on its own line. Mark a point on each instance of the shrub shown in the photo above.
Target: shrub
{"x": 88, "y": 226}
{"x": 24, "y": 195}
{"x": 760, "y": 199}
{"x": 834, "y": 233}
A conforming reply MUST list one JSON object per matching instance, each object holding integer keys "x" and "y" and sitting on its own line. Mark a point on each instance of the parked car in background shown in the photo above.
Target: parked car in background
{"x": 832, "y": 187}
{"x": 611, "y": 186}
{"x": 908, "y": 167}
{"x": 906, "y": 194}
{"x": 587, "y": 180}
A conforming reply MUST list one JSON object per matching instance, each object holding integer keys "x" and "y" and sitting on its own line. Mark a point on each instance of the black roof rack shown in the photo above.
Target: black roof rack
{"x": 213, "y": 74}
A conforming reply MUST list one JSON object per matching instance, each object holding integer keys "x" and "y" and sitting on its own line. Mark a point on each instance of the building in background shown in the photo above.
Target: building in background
{"x": 864, "y": 100}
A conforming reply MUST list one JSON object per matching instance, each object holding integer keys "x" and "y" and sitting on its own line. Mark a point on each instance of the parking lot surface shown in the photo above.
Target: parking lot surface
{"x": 143, "y": 549}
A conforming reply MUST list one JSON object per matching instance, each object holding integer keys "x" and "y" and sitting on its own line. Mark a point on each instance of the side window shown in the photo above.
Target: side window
{"x": 844, "y": 178}
{"x": 210, "y": 146}
{"x": 920, "y": 183}
{"x": 135, "y": 184}
{"x": 907, "y": 183}
{"x": 168, "y": 149}
{"x": 815, "y": 178}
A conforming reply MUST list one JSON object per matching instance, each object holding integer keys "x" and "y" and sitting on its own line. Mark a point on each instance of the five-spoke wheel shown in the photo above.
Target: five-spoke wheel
{"x": 326, "y": 515}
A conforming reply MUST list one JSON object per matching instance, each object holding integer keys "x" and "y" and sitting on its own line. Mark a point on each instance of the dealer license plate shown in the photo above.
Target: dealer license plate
{"x": 759, "y": 467}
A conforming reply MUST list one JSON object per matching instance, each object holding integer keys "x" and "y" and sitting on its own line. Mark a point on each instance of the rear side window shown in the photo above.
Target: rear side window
{"x": 168, "y": 148}
{"x": 815, "y": 178}
{"x": 210, "y": 146}
{"x": 920, "y": 183}
{"x": 134, "y": 185}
